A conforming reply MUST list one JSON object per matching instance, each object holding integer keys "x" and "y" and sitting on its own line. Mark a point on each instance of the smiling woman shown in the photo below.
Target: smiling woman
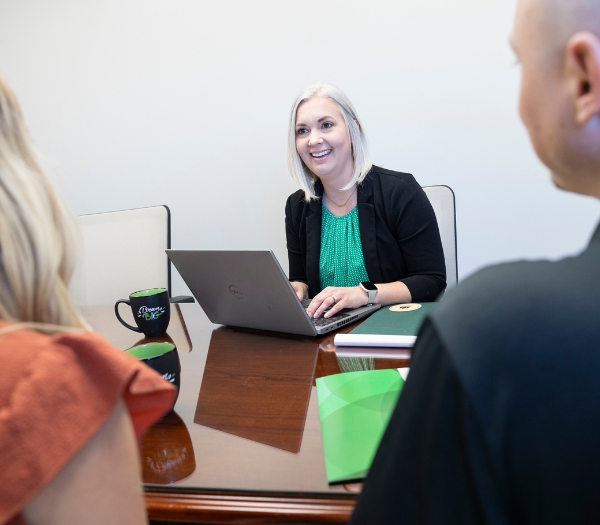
{"x": 356, "y": 233}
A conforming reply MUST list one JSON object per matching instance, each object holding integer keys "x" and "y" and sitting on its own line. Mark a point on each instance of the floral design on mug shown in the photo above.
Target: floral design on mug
{"x": 169, "y": 377}
{"x": 160, "y": 467}
{"x": 149, "y": 314}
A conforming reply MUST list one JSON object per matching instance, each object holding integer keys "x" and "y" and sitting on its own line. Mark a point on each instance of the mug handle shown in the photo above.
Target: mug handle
{"x": 127, "y": 325}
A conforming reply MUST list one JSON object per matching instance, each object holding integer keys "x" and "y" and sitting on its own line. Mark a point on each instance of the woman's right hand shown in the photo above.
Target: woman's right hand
{"x": 301, "y": 289}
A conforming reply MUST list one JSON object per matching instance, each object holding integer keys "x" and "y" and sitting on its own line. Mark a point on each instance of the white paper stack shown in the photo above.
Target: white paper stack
{"x": 396, "y": 341}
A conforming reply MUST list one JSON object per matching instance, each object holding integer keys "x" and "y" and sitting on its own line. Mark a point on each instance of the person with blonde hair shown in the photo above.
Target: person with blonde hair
{"x": 71, "y": 405}
{"x": 356, "y": 233}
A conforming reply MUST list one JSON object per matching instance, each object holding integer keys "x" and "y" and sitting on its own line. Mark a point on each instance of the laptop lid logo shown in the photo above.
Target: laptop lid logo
{"x": 236, "y": 292}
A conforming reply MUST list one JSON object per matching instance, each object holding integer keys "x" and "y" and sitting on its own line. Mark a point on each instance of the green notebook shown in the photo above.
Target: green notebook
{"x": 354, "y": 409}
{"x": 399, "y": 319}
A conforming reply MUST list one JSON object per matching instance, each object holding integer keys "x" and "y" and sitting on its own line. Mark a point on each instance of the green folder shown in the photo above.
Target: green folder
{"x": 354, "y": 409}
{"x": 388, "y": 322}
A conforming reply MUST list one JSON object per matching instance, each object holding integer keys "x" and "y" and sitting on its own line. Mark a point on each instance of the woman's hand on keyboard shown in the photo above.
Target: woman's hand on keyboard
{"x": 335, "y": 299}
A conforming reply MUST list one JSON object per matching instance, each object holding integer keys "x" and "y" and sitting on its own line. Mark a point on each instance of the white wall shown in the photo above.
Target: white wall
{"x": 185, "y": 103}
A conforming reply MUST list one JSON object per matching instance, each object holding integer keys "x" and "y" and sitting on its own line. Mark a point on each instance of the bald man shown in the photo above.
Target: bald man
{"x": 499, "y": 421}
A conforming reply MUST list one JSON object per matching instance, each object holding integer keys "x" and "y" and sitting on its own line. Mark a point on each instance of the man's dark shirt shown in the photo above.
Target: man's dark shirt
{"x": 499, "y": 420}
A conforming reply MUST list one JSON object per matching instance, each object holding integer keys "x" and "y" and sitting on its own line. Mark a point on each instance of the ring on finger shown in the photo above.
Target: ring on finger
{"x": 334, "y": 299}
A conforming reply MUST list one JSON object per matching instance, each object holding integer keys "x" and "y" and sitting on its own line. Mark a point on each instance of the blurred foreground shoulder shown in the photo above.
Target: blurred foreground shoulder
{"x": 55, "y": 393}
{"x": 526, "y": 304}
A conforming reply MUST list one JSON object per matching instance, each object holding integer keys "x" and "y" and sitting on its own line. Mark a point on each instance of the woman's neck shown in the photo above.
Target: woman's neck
{"x": 339, "y": 202}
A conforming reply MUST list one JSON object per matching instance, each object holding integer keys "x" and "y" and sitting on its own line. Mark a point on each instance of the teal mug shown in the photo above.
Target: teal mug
{"x": 151, "y": 311}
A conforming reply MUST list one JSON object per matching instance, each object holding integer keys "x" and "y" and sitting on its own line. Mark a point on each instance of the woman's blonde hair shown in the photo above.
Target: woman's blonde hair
{"x": 360, "y": 153}
{"x": 37, "y": 234}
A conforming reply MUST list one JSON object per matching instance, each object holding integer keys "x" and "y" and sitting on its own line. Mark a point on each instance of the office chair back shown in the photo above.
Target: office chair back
{"x": 442, "y": 200}
{"x": 122, "y": 252}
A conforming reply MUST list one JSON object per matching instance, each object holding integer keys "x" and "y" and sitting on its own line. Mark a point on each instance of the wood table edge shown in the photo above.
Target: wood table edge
{"x": 246, "y": 508}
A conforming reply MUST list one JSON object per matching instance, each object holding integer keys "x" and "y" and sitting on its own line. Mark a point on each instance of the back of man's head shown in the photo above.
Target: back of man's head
{"x": 558, "y": 45}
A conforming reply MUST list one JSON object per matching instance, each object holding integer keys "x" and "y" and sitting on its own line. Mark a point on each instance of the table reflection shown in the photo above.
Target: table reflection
{"x": 167, "y": 451}
{"x": 335, "y": 359}
{"x": 257, "y": 387}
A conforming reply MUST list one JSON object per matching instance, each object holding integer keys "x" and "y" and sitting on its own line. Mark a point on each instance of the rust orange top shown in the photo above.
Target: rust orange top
{"x": 55, "y": 393}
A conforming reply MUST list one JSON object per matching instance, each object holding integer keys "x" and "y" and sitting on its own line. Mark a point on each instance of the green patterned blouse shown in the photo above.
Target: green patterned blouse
{"x": 341, "y": 262}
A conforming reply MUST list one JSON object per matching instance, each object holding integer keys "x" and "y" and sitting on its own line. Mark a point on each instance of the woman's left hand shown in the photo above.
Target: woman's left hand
{"x": 336, "y": 298}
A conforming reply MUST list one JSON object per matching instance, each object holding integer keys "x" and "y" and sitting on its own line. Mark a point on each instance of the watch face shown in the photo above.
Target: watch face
{"x": 369, "y": 286}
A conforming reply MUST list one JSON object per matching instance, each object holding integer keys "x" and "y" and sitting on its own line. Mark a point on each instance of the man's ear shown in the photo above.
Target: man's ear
{"x": 583, "y": 70}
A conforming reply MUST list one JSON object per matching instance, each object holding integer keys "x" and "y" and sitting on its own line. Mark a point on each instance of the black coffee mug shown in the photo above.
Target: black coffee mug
{"x": 162, "y": 357}
{"x": 151, "y": 311}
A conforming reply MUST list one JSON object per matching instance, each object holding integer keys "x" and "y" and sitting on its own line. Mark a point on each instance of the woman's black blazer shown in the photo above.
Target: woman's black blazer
{"x": 398, "y": 231}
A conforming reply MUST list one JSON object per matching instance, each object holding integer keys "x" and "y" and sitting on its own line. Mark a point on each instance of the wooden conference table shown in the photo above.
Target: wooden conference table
{"x": 243, "y": 444}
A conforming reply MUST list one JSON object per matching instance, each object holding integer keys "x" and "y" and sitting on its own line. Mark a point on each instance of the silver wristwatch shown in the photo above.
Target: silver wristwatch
{"x": 371, "y": 290}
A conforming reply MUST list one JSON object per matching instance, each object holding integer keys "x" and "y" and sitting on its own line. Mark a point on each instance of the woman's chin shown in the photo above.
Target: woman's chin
{"x": 323, "y": 171}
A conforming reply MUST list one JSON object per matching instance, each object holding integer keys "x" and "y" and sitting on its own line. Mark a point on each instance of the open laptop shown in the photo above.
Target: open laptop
{"x": 248, "y": 288}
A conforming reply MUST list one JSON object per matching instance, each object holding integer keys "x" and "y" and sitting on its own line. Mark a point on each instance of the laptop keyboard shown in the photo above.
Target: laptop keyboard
{"x": 323, "y": 321}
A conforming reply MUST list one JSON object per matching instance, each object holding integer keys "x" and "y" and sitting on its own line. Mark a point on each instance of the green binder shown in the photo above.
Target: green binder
{"x": 392, "y": 320}
{"x": 354, "y": 409}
